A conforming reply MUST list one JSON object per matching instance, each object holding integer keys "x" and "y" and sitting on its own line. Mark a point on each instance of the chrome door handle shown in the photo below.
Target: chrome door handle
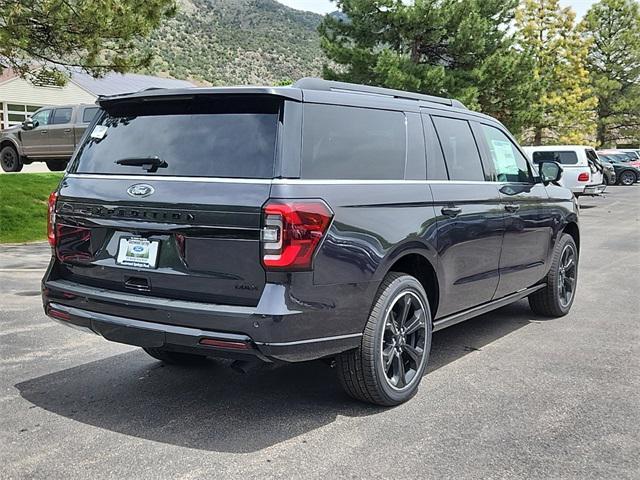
{"x": 44, "y": 132}
{"x": 67, "y": 130}
{"x": 512, "y": 207}
{"x": 451, "y": 211}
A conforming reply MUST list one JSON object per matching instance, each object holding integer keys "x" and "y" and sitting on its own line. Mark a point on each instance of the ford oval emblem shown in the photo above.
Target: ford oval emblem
{"x": 140, "y": 190}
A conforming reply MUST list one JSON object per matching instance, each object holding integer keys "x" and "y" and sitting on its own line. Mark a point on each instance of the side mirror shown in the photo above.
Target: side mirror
{"x": 28, "y": 124}
{"x": 550, "y": 172}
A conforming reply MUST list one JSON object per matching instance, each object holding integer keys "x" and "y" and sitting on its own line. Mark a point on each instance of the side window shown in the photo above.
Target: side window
{"x": 460, "y": 150}
{"x": 88, "y": 114}
{"x": 353, "y": 143}
{"x": 510, "y": 164}
{"x": 61, "y": 115}
{"x": 41, "y": 118}
{"x": 563, "y": 158}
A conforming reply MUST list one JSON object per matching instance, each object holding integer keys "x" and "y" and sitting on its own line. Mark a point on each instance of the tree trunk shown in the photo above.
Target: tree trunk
{"x": 537, "y": 139}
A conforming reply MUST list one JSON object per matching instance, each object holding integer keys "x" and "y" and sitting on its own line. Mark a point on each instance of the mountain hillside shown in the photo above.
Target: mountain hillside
{"x": 237, "y": 42}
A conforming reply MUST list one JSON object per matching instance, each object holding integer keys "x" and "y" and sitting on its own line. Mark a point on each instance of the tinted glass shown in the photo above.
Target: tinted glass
{"x": 88, "y": 114}
{"x": 460, "y": 149}
{"x": 563, "y": 158}
{"x": 61, "y": 115}
{"x": 353, "y": 143}
{"x": 41, "y": 118}
{"x": 203, "y": 137}
{"x": 510, "y": 165}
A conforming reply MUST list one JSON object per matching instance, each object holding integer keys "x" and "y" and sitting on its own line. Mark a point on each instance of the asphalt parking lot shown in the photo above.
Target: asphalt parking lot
{"x": 508, "y": 394}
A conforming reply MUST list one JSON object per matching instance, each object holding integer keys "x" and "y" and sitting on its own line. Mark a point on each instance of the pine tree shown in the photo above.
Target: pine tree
{"x": 450, "y": 48}
{"x": 613, "y": 26}
{"x": 562, "y": 111}
{"x": 96, "y": 35}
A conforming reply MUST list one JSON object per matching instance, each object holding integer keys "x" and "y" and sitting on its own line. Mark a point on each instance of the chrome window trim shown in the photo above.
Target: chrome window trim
{"x": 279, "y": 181}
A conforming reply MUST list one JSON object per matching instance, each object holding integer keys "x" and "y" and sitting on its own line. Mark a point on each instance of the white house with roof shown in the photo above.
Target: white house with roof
{"x": 20, "y": 97}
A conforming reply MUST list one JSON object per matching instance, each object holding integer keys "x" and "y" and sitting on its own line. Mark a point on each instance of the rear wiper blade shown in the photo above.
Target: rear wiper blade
{"x": 150, "y": 164}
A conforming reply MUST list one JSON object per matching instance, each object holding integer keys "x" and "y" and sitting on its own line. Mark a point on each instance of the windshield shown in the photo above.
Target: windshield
{"x": 200, "y": 137}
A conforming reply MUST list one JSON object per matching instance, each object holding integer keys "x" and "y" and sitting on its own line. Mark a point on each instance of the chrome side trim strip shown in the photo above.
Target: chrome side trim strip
{"x": 277, "y": 181}
{"x": 311, "y": 340}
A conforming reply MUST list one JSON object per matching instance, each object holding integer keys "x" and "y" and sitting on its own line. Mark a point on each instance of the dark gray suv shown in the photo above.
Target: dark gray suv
{"x": 321, "y": 220}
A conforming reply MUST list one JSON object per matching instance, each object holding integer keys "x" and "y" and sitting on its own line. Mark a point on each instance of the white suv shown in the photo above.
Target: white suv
{"x": 582, "y": 171}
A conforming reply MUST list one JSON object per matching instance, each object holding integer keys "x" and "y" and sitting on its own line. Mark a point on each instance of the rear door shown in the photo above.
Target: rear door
{"x": 470, "y": 219}
{"x": 571, "y": 167}
{"x": 195, "y": 219}
{"x": 61, "y": 137}
{"x": 528, "y": 221}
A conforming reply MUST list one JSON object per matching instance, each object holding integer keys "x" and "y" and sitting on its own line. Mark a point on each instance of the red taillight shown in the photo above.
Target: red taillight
{"x": 58, "y": 314}
{"x": 51, "y": 219}
{"x": 291, "y": 232}
{"x": 583, "y": 177}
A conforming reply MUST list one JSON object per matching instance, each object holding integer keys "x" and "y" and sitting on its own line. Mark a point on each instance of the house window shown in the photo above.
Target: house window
{"x": 15, "y": 113}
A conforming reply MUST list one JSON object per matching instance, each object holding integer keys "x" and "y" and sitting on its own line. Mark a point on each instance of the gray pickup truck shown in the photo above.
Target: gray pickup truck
{"x": 50, "y": 136}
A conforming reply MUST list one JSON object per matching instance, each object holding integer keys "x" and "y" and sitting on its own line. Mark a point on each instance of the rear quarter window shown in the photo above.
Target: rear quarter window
{"x": 353, "y": 143}
{"x": 562, "y": 157}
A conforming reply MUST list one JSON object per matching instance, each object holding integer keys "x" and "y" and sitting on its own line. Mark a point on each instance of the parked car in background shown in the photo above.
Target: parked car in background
{"x": 627, "y": 173}
{"x": 608, "y": 171}
{"x": 582, "y": 173}
{"x": 49, "y": 136}
{"x": 321, "y": 220}
{"x": 633, "y": 151}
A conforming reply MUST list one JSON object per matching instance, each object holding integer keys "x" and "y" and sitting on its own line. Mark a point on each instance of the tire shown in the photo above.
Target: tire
{"x": 10, "y": 160}
{"x": 362, "y": 372}
{"x": 627, "y": 178}
{"x": 175, "y": 358}
{"x": 556, "y": 298}
{"x": 606, "y": 180}
{"x": 56, "y": 165}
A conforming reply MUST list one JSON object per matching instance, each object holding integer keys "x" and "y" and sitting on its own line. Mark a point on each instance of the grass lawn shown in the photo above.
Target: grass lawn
{"x": 23, "y": 205}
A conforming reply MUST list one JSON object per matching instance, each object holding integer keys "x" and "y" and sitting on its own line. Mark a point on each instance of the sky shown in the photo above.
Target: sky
{"x": 326, "y": 6}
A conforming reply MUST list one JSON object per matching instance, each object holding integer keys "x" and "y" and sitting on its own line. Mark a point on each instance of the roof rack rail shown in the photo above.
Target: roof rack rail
{"x": 312, "y": 83}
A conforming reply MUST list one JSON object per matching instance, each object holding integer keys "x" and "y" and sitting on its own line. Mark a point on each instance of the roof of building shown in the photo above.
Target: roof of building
{"x": 112, "y": 83}
{"x": 115, "y": 83}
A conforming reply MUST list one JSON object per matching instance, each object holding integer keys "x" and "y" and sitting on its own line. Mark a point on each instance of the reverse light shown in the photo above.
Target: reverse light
{"x": 583, "y": 177}
{"x": 51, "y": 219}
{"x": 292, "y": 231}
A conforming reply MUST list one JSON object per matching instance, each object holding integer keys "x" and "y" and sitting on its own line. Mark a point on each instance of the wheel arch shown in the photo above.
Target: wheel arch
{"x": 9, "y": 142}
{"x": 572, "y": 229}
{"x": 414, "y": 260}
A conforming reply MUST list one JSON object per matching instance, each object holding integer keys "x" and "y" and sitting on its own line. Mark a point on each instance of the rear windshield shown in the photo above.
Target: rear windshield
{"x": 564, "y": 158}
{"x": 199, "y": 137}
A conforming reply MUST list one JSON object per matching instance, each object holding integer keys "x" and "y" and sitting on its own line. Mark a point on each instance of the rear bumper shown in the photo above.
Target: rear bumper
{"x": 598, "y": 189}
{"x": 271, "y": 331}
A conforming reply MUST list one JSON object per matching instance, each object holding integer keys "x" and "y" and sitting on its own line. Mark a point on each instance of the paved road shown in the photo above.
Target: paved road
{"x": 509, "y": 394}
{"x": 35, "y": 167}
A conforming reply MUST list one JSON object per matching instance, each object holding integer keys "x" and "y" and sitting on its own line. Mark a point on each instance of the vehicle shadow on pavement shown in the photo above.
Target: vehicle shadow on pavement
{"x": 214, "y": 408}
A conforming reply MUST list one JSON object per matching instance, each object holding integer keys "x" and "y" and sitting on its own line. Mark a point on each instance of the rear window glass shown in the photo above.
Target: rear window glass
{"x": 563, "y": 158}
{"x": 203, "y": 137}
{"x": 459, "y": 148}
{"x": 61, "y": 115}
{"x": 353, "y": 143}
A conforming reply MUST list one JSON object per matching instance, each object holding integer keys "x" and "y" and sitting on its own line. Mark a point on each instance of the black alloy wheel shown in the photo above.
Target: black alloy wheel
{"x": 403, "y": 341}
{"x": 567, "y": 275}
{"x": 9, "y": 160}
